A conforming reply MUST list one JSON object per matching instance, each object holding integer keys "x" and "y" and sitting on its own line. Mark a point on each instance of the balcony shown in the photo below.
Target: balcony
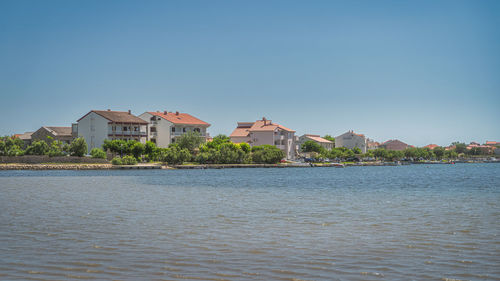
{"x": 154, "y": 122}
{"x": 127, "y": 133}
{"x": 154, "y": 134}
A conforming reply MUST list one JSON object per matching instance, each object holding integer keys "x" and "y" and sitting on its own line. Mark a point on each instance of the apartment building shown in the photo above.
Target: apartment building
{"x": 165, "y": 127}
{"x": 351, "y": 140}
{"x": 263, "y": 132}
{"x": 99, "y": 125}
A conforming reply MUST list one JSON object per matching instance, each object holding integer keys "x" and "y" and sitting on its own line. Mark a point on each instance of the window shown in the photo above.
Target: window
{"x": 152, "y": 129}
{"x": 113, "y": 128}
{"x": 173, "y": 129}
{"x": 173, "y": 140}
{"x": 124, "y": 128}
{"x": 136, "y": 129}
{"x": 197, "y": 130}
{"x": 183, "y": 130}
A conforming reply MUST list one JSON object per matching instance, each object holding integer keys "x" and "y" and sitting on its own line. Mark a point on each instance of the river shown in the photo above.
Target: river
{"x": 418, "y": 222}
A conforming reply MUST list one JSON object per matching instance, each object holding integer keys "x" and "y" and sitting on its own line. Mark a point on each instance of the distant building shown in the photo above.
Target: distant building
{"x": 371, "y": 144}
{"x": 351, "y": 140}
{"x": 62, "y": 134}
{"x": 263, "y": 132}
{"x": 394, "y": 145}
{"x": 26, "y": 138}
{"x": 326, "y": 144}
{"x": 99, "y": 125}
{"x": 165, "y": 127}
{"x": 431, "y": 146}
{"x": 492, "y": 143}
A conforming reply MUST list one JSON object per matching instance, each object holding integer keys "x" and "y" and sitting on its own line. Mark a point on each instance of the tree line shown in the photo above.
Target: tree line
{"x": 411, "y": 153}
{"x": 13, "y": 146}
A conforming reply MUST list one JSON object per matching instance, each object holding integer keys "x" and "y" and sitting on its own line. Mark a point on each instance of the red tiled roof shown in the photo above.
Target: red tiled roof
{"x": 317, "y": 138}
{"x": 431, "y": 146}
{"x": 267, "y": 125}
{"x": 492, "y": 142}
{"x": 180, "y": 118}
{"x": 117, "y": 117}
{"x": 240, "y": 132}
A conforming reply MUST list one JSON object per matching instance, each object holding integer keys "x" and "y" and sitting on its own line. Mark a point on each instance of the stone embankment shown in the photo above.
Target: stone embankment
{"x": 56, "y": 167}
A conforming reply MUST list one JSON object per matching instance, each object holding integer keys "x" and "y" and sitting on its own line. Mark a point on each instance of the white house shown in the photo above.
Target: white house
{"x": 165, "y": 127}
{"x": 351, "y": 140}
{"x": 266, "y": 132}
{"x": 99, "y": 125}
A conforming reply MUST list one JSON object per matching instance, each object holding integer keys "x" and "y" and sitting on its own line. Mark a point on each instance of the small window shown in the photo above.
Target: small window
{"x": 183, "y": 130}
{"x": 197, "y": 130}
{"x": 173, "y": 129}
{"x": 152, "y": 129}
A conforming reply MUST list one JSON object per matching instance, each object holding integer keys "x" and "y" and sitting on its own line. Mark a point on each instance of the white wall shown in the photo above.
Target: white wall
{"x": 350, "y": 140}
{"x": 94, "y": 129}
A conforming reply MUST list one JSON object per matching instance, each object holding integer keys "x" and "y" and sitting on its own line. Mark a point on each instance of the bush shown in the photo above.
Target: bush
{"x": 56, "y": 149}
{"x": 267, "y": 154}
{"x": 116, "y": 161}
{"x": 98, "y": 153}
{"x": 174, "y": 155}
{"x": 137, "y": 149}
{"x": 38, "y": 148}
{"x": 78, "y": 147}
{"x": 129, "y": 160}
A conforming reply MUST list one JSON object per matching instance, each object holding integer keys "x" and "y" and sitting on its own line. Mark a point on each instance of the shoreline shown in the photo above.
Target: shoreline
{"x": 98, "y": 166}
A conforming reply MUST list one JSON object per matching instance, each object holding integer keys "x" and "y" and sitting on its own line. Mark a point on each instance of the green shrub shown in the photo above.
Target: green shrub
{"x": 78, "y": 147}
{"x": 98, "y": 153}
{"x": 116, "y": 161}
{"x": 129, "y": 160}
{"x": 38, "y": 148}
{"x": 267, "y": 154}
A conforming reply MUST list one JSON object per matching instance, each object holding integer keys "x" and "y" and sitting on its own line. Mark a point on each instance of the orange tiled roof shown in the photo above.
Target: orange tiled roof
{"x": 431, "y": 146}
{"x": 317, "y": 138}
{"x": 240, "y": 132}
{"x": 492, "y": 142}
{"x": 267, "y": 125}
{"x": 180, "y": 118}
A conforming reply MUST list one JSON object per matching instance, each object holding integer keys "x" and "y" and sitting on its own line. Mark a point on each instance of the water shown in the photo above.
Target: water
{"x": 423, "y": 222}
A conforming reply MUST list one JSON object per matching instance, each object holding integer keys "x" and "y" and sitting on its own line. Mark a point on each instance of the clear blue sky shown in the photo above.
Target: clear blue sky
{"x": 419, "y": 71}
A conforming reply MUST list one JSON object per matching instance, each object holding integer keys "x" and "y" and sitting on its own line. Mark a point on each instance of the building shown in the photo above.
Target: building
{"x": 26, "y": 138}
{"x": 263, "y": 132}
{"x": 351, "y": 140}
{"x": 99, "y": 125}
{"x": 326, "y": 144}
{"x": 49, "y": 134}
{"x": 394, "y": 145}
{"x": 165, "y": 127}
{"x": 371, "y": 144}
{"x": 431, "y": 146}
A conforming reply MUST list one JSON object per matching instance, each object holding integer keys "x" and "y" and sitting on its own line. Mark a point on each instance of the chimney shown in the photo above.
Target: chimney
{"x": 264, "y": 119}
{"x": 165, "y": 112}
{"x": 177, "y": 113}
{"x": 129, "y": 111}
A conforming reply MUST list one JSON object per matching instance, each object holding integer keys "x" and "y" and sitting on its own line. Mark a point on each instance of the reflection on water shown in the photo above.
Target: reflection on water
{"x": 364, "y": 223}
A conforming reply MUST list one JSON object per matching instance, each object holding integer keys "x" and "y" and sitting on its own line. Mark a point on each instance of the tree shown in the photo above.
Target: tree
{"x": 78, "y": 147}
{"x": 380, "y": 153}
{"x": 460, "y": 147}
{"x": 98, "y": 153}
{"x": 190, "y": 141}
{"x": 438, "y": 151}
{"x": 151, "y": 150}
{"x": 137, "y": 149}
{"x": 174, "y": 155}
{"x": 356, "y": 150}
{"x": 330, "y": 138}
{"x": 311, "y": 146}
{"x": 267, "y": 154}
{"x": 38, "y": 148}
{"x": 56, "y": 149}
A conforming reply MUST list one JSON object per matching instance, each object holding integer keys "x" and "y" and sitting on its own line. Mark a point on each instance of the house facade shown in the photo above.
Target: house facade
{"x": 49, "y": 134}
{"x": 263, "y": 132}
{"x": 326, "y": 144}
{"x": 165, "y": 127}
{"x": 351, "y": 140}
{"x": 99, "y": 125}
{"x": 394, "y": 145}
